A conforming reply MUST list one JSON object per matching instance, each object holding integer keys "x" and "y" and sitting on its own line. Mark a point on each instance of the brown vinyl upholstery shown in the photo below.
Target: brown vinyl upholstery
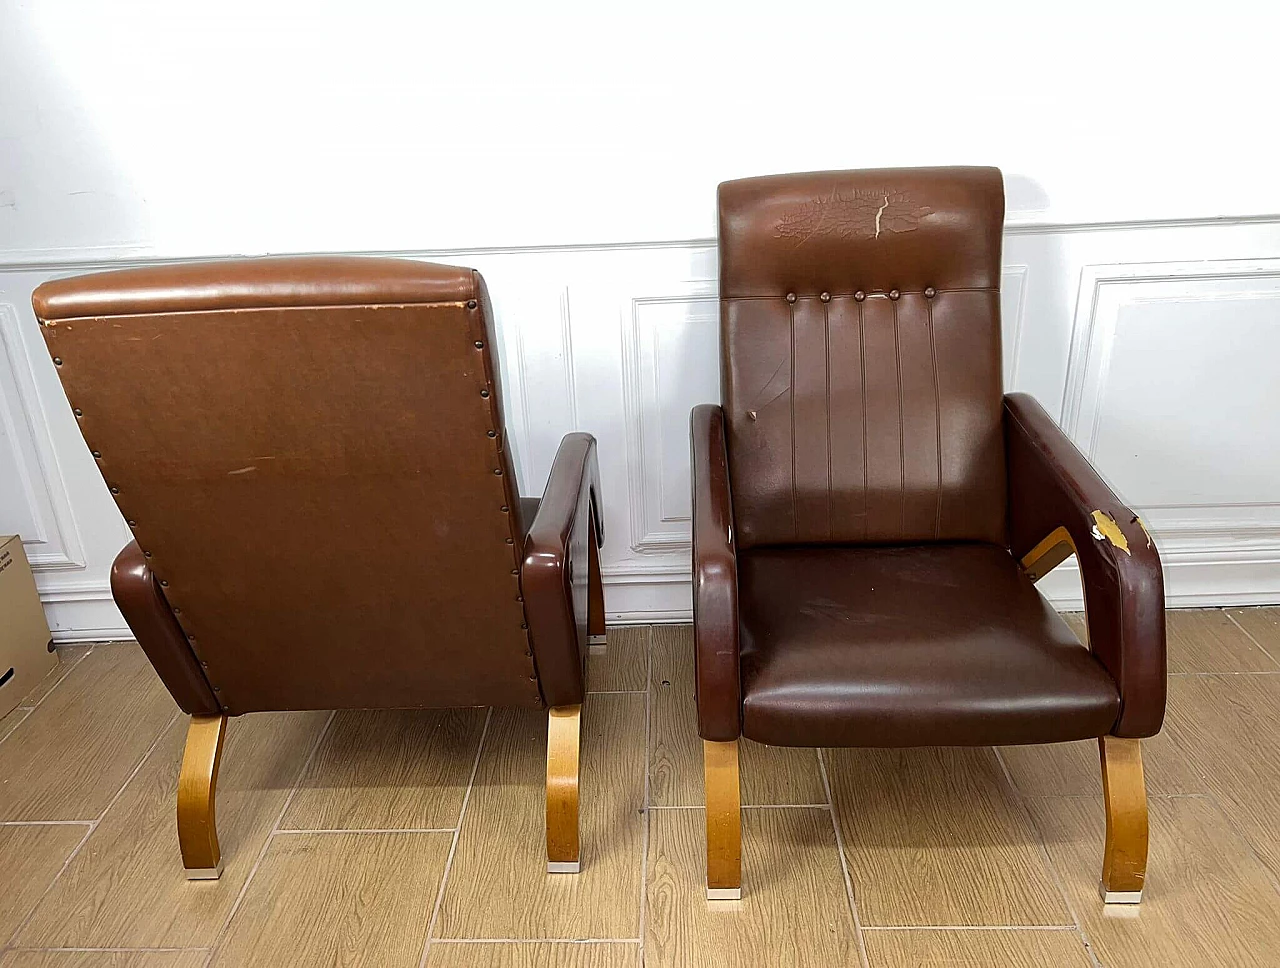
{"x": 312, "y": 458}
{"x": 860, "y": 356}
{"x": 866, "y": 493}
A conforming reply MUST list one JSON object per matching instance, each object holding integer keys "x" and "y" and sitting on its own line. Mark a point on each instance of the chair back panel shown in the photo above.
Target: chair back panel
{"x": 860, "y": 356}
{"x": 321, "y": 486}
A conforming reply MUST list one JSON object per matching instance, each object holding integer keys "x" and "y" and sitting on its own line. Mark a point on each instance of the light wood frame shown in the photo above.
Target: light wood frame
{"x": 724, "y": 820}
{"x": 564, "y": 730}
{"x": 1124, "y": 792}
{"x": 197, "y": 793}
{"x": 596, "y": 639}
{"x": 1124, "y": 858}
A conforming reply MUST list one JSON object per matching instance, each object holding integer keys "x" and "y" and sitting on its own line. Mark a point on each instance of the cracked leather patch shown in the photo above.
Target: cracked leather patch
{"x": 864, "y": 213}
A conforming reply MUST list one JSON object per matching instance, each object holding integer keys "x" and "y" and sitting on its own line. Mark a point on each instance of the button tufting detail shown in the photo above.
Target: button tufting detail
{"x": 929, "y": 292}
{"x": 894, "y": 294}
{"x": 825, "y": 297}
{"x": 791, "y": 297}
{"x": 859, "y": 295}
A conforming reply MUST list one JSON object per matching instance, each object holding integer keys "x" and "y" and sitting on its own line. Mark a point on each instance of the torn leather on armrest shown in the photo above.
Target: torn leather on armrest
{"x": 1052, "y": 485}
{"x": 715, "y": 580}
{"x": 142, "y": 602}
{"x": 553, "y": 579}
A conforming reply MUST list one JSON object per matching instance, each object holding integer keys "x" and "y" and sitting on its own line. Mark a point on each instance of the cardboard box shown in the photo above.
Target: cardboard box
{"x": 26, "y": 650}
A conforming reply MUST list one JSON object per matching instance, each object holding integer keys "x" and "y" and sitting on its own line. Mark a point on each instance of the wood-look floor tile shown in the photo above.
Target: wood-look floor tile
{"x": 1262, "y": 624}
{"x": 1206, "y": 640}
{"x": 1228, "y": 727}
{"x": 68, "y": 657}
{"x": 338, "y": 899}
{"x": 534, "y": 954}
{"x": 794, "y": 908}
{"x": 502, "y": 848}
{"x": 392, "y": 768}
{"x": 13, "y": 720}
{"x": 104, "y": 959}
{"x": 936, "y": 837}
{"x": 1077, "y": 623}
{"x": 624, "y": 667}
{"x": 82, "y": 742}
{"x": 30, "y": 858}
{"x": 127, "y": 889}
{"x": 1074, "y": 769}
{"x": 1021, "y": 948}
{"x": 1207, "y": 899}
{"x": 770, "y": 774}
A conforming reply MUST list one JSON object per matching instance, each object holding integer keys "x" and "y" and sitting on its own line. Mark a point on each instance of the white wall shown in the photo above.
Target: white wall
{"x": 572, "y": 155}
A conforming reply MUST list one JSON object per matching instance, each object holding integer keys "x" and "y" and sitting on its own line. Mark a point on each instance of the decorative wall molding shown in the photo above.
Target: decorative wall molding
{"x": 1013, "y": 295}
{"x": 55, "y": 543}
{"x": 88, "y": 258}
{"x": 620, "y": 339}
{"x": 655, "y": 527}
{"x": 1194, "y": 536}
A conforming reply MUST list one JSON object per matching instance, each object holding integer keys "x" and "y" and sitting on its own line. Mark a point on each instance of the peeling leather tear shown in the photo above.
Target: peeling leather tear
{"x": 1143, "y": 525}
{"x": 1106, "y": 529}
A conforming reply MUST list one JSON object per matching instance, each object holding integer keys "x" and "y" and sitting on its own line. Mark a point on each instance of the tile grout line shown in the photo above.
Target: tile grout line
{"x": 645, "y": 804}
{"x": 26, "y": 714}
{"x": 453, "y": 846}
{"x": 45, "y": 823}
{"x": 535, "y": 941}
{"x": 36, "y": 705}
{"x": 1230, "y": 816}
{"x": 970, "y": 927}
{"x": 293, "y": 831}
{"x": 1249, "y": 636}
{"x": 1048, "y": 861}
{"x": 863, "y": 958}
{"x": 266, "y": 841}
{"x": 108, "y": 949}
{"x": 93, "y": 824}
{"x": 746, "y": 806}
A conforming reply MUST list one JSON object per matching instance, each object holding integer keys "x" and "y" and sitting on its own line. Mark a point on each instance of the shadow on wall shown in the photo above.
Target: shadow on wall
{"x": 61, "y": 185}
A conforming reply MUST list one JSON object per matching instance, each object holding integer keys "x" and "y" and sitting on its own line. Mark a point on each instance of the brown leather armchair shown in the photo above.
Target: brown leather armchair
{"x": 311, "y": 455}
{"x": 870, "y": 511}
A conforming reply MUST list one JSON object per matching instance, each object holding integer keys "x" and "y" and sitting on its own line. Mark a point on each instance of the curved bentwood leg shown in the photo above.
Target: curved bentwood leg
{"x": 197, "y": 791}
{"x": 1124, "y": 860}
{"x": 724, "y": 821}
{"x": 564, "y": 729}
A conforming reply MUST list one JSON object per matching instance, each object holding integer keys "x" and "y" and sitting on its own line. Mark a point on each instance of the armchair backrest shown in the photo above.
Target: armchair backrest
{"x": 860, "y": 355}
{"x": 311, "y": 454}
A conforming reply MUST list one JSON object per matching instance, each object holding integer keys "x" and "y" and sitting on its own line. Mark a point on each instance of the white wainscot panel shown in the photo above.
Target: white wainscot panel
{"x": 1172, "y": 393}
{"x": 33, "y": 498}
{"x": 670, "y": 364}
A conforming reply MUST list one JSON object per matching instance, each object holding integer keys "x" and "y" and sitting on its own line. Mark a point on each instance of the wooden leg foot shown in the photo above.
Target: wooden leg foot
{"x": 564, "y": 727}
{"x": 1124, "y": 859}
{"x": 724, "y": 821}
{"x": 197, "y": 792}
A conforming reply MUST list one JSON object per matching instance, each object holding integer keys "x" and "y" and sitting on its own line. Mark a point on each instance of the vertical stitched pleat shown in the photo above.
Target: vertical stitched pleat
{"x": 902, "y": 437}
{"x": 826, "y": 334}
{"x": 810, "y": 394}
{"x": 937, "y": 421}
{"x": 862, "y": 362}
{"x": 883, "y": 420}
{"x": 919, "y": 418}
{"x": 791, "y": 395}
{"x": 846, "y": 415}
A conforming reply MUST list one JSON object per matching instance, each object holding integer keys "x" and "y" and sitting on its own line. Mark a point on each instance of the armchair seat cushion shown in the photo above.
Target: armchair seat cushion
{"x": 942, "y": 644}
